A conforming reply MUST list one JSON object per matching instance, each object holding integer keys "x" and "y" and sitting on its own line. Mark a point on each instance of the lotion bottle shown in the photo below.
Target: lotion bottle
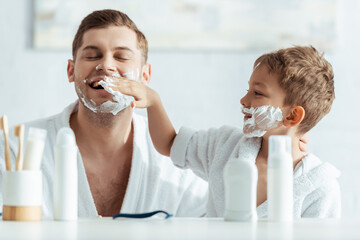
{"x": 280, "y": 179}
{"x": 66, "y": 176}
{"x": 240, "y": 180}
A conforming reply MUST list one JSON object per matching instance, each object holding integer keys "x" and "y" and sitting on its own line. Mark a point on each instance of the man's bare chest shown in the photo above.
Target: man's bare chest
{"x": 108, "y": 188}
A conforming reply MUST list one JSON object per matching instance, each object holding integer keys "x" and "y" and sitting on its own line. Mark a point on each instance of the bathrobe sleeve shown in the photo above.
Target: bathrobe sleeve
{"x": 323, "y": 202}
{"x": 197, "y": 149}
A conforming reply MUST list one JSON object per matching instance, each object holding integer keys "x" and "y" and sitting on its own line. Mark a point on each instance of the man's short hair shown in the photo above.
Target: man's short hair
{"x": 308, "y": 79}
{"x": 103, "y": 19}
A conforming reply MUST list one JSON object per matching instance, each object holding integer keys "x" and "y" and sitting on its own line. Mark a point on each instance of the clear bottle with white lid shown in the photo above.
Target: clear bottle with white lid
{"x": 66, "y": 176}
{"x": 240, "y": 181}
{"x": 280, "y": 179}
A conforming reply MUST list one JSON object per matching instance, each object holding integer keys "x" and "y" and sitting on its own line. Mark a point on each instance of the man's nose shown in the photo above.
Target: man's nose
{"x": 107, "y": 65}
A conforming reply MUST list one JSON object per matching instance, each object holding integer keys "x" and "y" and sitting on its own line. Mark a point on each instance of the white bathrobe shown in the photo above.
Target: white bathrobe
{"x": 316, "y": 189}
{"x": 154, "y": 182}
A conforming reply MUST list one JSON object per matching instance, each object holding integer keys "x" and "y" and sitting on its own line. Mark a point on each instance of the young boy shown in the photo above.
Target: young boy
{"x": 290, "y": 90}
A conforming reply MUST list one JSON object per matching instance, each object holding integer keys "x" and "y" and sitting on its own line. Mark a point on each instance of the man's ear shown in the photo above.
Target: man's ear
{"x": 70, "y": 70}
{"x": 146, "y": 73}
{"x": 294, "y": 117}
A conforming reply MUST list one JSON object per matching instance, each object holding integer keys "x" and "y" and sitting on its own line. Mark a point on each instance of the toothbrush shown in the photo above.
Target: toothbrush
{"x": 19, "y": 132}
{"x": 4, "y": 126}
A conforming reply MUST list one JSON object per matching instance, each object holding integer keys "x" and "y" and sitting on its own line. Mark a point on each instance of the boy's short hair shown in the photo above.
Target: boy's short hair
{"x": 103, "y": 19}
{"x": 307, "y": 78}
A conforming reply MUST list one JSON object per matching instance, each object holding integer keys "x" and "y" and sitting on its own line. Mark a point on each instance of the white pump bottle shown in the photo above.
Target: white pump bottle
{"x": 240, "y": 180}
{"x": 66, "y": 176}
{"x": 280, "y": 179}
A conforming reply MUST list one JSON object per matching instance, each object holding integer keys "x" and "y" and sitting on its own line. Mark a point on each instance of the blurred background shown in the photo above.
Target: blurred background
{"x": 202, "y": 53}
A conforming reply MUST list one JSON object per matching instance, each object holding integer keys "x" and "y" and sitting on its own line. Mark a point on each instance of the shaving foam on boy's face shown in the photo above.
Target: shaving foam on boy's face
{"x": 261, "y": 119}
{"x": 119, "y": 101}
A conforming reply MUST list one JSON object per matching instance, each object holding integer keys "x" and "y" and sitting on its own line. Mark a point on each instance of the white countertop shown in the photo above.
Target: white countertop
{"x": 181, "y": 228}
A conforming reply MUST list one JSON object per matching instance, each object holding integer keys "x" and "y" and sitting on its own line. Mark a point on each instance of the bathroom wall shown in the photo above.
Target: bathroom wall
{"x": 200, "y": 89}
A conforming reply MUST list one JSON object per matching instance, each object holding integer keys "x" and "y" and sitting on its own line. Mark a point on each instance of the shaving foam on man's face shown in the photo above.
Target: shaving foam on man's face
{"x": 261, "y": 119}
{"x": 119, "y": 101}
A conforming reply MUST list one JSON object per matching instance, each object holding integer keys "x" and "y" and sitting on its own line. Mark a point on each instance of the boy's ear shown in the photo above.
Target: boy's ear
{"x": 70, "y": 70}
{"x": 146, "y": 73}
{"x": 294, "y": 117}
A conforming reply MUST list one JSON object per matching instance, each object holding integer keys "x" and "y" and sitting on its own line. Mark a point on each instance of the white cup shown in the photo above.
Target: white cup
{"x": 22, "y": 195}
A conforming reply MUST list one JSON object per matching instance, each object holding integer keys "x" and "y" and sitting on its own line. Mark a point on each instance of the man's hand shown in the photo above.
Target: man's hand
{"x": 303, "y": 143}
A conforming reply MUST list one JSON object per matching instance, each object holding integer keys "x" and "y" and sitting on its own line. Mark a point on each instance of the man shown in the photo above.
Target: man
{"x": 119, "y": 169}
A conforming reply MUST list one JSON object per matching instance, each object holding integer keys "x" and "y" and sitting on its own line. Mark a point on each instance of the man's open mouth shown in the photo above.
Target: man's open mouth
{"x": 95, "y": 85}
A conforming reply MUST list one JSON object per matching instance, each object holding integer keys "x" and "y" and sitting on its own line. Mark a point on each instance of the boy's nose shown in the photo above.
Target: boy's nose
{"x": 244, "y": 101}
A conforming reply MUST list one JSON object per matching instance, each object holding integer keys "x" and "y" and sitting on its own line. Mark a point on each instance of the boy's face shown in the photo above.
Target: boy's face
{"x": 264, "y": 90}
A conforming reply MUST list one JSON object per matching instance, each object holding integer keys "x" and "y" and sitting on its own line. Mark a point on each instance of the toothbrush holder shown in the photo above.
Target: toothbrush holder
{"x": 22, "y": 195}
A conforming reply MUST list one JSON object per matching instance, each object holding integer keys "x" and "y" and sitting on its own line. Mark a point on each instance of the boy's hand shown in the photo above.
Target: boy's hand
{"x": 303, "y": 143}
{"x": 161, "y": 130}
{"x": 143, "y": 95}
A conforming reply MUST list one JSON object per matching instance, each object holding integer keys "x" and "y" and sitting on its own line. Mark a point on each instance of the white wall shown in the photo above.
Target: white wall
{"x": 199, "y": 89}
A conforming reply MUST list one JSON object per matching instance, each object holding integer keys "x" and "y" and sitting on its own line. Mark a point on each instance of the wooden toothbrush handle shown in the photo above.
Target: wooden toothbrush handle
{"x": 19, "y": 162}
{"x": 19, "y": 159}
{"x": 7, "y": 155}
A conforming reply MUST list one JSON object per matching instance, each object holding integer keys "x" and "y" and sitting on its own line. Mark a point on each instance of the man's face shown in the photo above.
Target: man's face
{"x": 104, "y": 52}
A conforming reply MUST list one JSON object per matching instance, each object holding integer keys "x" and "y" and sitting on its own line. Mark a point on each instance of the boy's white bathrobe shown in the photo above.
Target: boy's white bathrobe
{"x": 316, "y": 190}
{"x": 154, "y": 182}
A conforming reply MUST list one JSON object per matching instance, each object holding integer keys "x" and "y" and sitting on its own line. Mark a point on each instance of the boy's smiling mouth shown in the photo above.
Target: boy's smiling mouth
{"x": 247, "y": 116}
{"x": 246, "y": 113}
